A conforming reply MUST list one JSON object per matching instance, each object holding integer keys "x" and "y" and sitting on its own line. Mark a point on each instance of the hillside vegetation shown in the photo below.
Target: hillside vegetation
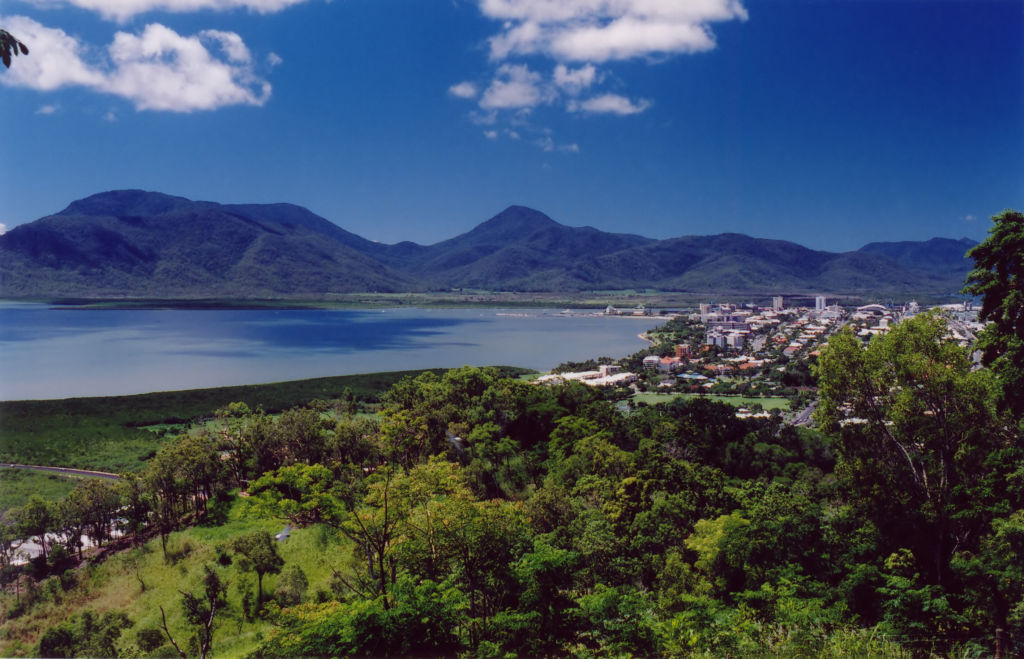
{"x": 482, "y": 515}
{"x": 118, "y": 433}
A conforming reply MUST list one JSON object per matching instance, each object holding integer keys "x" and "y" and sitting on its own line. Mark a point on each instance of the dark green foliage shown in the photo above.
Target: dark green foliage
{"x": 84, "y": 635}
{"x": 422, "y": 619}
{"x": 998, "y": 278}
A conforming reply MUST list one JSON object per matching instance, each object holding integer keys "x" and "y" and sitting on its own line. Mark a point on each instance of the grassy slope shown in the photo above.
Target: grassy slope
{"x": 106, "y": 434}
{"x": 114, "y": 586}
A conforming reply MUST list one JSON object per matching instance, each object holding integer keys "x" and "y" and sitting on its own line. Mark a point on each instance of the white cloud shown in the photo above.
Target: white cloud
{"x": 515, "y": 86}
{"x": 273, "y": 60}
{"x": 610, "y": 104}
{"x": 488, "y": 118}
{"x": 970, "y": 218}
{"x": 47, "y": 109}
{"x": 122, "y": 10}
{"x": 463, "y": 90}
{"x": 56, "y": 59}
{"x": 602, "y": 30}
{"x": 3, "y": 228}
{"x": 491, "y": 134}
{"x": 230, "y": 43}
{"x": 547, "y": 143}
{"x": 158, "y": 69}
{"x": 573, "y": 81}
{"x": 110, "y": 116}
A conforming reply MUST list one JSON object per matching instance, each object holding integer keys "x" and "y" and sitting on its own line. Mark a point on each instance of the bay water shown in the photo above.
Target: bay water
{"x": 53, "y": 352}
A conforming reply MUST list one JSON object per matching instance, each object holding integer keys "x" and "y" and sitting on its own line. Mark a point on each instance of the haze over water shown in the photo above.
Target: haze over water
{"x": 54, "y": 353}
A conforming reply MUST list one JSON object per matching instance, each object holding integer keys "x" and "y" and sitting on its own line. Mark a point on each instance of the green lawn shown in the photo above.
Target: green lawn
{"x": 737, "y": 401}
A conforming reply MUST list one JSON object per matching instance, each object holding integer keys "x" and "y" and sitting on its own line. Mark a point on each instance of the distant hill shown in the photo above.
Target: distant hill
{"x": 131, "y": 243}
{"x": 146, "y": 244}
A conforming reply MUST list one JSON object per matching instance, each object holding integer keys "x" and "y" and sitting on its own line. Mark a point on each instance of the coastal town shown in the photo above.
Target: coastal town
{"x": 755, "y": 357}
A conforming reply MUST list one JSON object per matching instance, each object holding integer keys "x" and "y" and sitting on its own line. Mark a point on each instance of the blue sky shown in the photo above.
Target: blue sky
{"x": 831, "y": 123}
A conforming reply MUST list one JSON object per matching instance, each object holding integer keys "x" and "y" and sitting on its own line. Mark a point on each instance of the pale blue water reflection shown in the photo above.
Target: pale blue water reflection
{"x": 55, "y": 353}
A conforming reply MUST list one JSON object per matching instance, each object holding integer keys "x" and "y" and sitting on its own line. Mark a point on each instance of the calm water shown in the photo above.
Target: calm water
{"x": 55, "y": 353}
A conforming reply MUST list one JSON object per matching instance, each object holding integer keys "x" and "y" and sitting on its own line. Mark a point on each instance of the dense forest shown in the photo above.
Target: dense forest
{"x": 480, "y": 515}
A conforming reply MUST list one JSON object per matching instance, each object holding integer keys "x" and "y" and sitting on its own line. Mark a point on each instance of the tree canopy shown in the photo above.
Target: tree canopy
{"x": 998, "y": 278}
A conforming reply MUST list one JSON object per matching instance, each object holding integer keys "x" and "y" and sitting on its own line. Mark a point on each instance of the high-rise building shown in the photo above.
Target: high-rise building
{"x": 777, "y": 303}
{"x": 819, "y": 303}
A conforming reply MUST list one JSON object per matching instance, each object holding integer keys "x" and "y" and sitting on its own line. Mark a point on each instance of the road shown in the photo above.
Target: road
{"x": 803, "y": 417}
{"x": 67, "y": 471}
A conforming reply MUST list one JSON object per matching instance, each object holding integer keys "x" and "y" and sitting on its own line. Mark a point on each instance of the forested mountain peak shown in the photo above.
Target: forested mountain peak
{"x": 116, "y": 203}
{"x": 149, "y": 244}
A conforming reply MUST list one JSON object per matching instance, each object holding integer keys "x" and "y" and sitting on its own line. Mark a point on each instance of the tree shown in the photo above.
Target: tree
{"x": 261, "y": 551}
{"x": 291, "y": 586}
{"x": 200, "y": 612}
{"x": 8, "y": 46}
{"x": 35, "y": 519}
{"x": 998, "y": 278}
{"x": 918, "y": 425}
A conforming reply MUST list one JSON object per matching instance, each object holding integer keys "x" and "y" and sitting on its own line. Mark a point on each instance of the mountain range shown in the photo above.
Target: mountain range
{"x": 133, "y": 243}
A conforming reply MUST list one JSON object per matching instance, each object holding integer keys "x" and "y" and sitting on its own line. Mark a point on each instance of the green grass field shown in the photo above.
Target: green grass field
{"x": 118, "y": 433}
{"x": 736, "y": 401}
{"x": 17, "y": 485}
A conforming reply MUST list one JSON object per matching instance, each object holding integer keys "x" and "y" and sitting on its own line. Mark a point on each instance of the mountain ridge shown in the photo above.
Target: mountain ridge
{"x": 134, "y": 243}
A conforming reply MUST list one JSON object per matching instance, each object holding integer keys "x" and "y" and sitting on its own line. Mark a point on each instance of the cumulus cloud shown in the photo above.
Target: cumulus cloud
{"x": 611, "y": 104}
{"x": 463, "y": 90}
{"x": 47, "y": 109}
{"x": 515, "y": 86}
{"x": 158, "y": 69}
{"x": 603, "y": 30}
{"x": 491, "y": 134}
{"x": 273, "y": 59}
{"x": 122, "y": 10}
{"x": 56, "y": 59}
{"x": 3, "y": 228}
{"x": 573, "y": 81}
{"x": 578, "y": 34}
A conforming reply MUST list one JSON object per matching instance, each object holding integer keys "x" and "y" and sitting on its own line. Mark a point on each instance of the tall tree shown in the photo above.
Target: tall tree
{"x": 201, "y": 613}
{"x": 919, "y": 425}
{"x": 998, "y": 278}
{"x": 259, "y": 548}
{"x": 36, "y": 519}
